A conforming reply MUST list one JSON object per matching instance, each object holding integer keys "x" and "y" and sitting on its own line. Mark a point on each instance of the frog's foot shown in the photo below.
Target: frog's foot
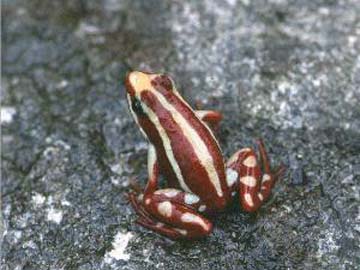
{"x": 172, "y": 213}
{"x": 136, "y": 203}
{"x": 211, "y": 118}
{"x": 245, "y": 174}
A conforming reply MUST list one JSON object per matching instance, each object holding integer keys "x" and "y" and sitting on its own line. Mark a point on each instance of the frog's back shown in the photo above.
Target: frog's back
{"x": 186, "y": 147}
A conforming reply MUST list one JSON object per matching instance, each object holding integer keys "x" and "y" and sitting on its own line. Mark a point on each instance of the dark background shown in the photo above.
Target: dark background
{"x": 286, "y": 71}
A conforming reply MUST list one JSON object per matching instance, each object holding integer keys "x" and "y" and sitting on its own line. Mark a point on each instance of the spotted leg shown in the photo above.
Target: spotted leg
{"x": 170, "y": 212}
{"x": 176, "y": 215}
{"x": 212, "y": 118}
{"x": 245, "y": 174}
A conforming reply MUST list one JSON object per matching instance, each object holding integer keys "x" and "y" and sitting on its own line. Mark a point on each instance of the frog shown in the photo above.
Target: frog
{"x": 183, "y": 149}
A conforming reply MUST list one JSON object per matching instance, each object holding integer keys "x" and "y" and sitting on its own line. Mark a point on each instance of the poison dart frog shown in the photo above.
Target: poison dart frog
{"x": 183, "y": 148}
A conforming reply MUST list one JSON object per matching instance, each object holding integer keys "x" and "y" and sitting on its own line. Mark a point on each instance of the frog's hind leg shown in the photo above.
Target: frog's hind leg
{"x": 170, "y": 212}
{"x": 173, "y": 213}
{"x": 149, "y": 222}
{"x": 136, "y": 203}
{"x": 244, "y": 174}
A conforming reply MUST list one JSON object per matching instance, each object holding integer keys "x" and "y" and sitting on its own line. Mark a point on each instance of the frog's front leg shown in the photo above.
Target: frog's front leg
{"x": 211, "y": 118}
{"x": 170, "y": 212}
{"x": 244, "y": 173}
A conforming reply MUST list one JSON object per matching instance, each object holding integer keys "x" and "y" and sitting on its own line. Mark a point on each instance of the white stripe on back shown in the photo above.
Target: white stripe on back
{"x": 167, "y": 146}
{"x": 199, "y": 146}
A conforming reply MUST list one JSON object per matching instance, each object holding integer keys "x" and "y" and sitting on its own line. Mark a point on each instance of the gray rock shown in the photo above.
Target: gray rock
{"x": 287, "y": 71}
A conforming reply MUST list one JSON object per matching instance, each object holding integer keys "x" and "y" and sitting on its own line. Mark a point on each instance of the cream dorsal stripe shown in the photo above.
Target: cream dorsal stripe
{"x": 197, "y": 115}
{"x": 167, "y": 146}
{"x": 199, "y": 146}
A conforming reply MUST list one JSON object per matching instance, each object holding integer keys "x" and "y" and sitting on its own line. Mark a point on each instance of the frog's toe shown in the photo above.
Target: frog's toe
{"x": 279, "y": 172}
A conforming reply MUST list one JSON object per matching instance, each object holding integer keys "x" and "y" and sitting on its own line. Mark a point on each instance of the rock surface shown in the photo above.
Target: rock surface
{"x": 287, "y": 71}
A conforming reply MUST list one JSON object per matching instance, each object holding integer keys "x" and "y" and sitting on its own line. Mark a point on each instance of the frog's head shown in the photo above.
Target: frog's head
{"x": 146, "y": 95}
{"x": 138, "y": 82}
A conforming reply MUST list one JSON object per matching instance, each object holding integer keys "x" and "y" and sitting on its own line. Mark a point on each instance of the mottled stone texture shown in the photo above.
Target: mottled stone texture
{"x": 287, "y": 71}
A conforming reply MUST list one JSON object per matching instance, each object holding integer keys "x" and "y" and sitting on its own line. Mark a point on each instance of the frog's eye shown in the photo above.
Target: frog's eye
{"x": 164, "y": 82}
{"x": 136, "y": 107}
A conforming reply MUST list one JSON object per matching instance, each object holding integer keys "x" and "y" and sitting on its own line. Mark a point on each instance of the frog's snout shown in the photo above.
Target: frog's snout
{"x": 138, "y": 81}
